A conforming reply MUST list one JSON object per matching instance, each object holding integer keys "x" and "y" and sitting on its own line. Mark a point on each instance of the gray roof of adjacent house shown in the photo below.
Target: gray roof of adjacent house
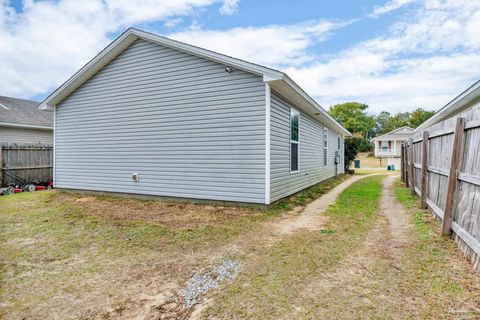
{"x": 399, "y": 133}
{"x": 277, "y": 79}
{"x": 460, "y": 103}
{"x": 23, "y": 113}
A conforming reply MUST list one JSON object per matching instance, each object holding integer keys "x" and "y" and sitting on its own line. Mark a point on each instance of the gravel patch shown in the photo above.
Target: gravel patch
{"x": 209, "y": 279}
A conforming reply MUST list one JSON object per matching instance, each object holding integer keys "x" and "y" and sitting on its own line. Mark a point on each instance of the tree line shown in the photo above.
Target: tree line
{"x": 363, "y": 126}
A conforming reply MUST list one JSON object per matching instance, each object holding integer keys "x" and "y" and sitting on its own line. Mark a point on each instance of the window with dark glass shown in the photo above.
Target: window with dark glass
{"x": 294, "y": 139}
{"x": 325, "y": 146}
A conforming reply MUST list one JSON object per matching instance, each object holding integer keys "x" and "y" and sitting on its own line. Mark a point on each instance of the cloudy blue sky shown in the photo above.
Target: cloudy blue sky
{"x": 395, "y": 55}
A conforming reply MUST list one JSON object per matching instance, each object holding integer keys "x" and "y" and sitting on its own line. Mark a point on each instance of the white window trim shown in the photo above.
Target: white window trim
{"x": 325, "y": 148}
{"x": 297, "y": 142}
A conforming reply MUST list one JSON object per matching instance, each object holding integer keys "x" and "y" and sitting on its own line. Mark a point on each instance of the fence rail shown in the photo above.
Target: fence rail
{"x": 21, "y": 163}
{"x": 442, "y": 166}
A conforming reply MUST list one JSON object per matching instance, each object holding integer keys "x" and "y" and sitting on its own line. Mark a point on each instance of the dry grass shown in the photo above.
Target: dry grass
{"x": 279, "y": 281}
{"x": 69, "y": 257}
{"x": 349, "y": 270}
{"x": 173, "y": 215}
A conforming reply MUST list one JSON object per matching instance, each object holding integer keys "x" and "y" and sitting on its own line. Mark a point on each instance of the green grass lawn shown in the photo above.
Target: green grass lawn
{"x": 59, "y": 255}
{"x": 273, "y": 282}
{"x": 438, "y": 269}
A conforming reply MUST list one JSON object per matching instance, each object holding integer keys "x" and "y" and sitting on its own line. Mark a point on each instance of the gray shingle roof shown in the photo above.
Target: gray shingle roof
{"x": 20, "y": 111}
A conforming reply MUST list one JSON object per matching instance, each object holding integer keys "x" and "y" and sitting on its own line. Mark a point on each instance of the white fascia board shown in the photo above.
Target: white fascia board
{"x": 24, "y": 126}
{"x": 208, "y": 54}
{"x": 124, "y": 41}
{"x": 99, "y": 61}
{"x": 333, "y": 123}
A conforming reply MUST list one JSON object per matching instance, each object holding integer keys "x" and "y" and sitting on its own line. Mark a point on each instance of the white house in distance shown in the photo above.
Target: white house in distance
{"x": 389, "y": 146}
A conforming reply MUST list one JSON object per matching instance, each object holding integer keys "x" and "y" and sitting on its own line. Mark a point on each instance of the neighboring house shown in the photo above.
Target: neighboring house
{"x": 389, "y": 146}
{"x": 468, "y": 99}
{"x": 22, "y": 122}
{"x": 153, "y": 116}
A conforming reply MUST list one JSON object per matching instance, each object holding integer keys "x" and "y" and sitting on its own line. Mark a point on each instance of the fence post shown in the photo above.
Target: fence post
{"x": 405, "y": 163}
{"x": 402, "y": 173}
{"x": 424, "y": 186}
{"x": 411, "y": 166}
{"x": 457, "y": 149}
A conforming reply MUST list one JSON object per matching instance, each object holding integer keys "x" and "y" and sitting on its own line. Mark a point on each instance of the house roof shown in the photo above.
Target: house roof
{"x": 460, "y": 103}
{"x": 278, "y": 80}
{"x": 400, "y": 133}
{"x": 22, "y": 113}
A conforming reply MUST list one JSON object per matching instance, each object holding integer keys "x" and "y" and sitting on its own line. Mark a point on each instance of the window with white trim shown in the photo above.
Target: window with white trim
{"x": 294, "y": 139}
{"x": 384, "y": 145}
{"x": 325, "y": 147}
{"x": 339, "y": 147}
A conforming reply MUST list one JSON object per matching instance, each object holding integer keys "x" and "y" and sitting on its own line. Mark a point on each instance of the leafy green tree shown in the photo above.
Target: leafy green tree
{"x": 419, "y": 116}
{"x": 383, "y": 123}
{"x": 352, "y": 146}
{"x": 353, "y": 116}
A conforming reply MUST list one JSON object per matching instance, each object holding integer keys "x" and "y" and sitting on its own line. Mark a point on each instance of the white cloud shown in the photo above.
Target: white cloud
{"x": 229, "y": 7}
{"x": 45, "y": 43}
{"x": 173, "y": 22}
{"x": 390, "y": 6}
{"x": 421, "y": 63}
{"x": 423, "y": 60}
{"x": 275, "y": 45}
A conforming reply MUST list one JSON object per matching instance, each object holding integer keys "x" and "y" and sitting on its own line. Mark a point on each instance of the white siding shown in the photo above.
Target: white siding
{"x": 21, "y": 135}
{"x": 185, "y": 125}
{"x": 312, "y": 171}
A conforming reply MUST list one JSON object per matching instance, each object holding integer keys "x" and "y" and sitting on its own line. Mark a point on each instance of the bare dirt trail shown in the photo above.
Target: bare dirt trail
{"x": 398, "y": 219}
{"x": 162, "y": 302}
{"x": 352, "y": 284}
{"x": 311, "y": 217}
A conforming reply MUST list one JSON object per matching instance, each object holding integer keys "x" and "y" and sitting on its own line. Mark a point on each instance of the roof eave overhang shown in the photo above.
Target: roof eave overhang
{"x": 279, "y": 80}
{"x": 295, "y": 94}
{"x": 124, "y": 41}
{"x": 457, "y": 105}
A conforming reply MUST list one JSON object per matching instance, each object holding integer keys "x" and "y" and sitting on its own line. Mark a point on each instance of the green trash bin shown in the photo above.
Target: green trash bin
{"x": 357, "y": 163}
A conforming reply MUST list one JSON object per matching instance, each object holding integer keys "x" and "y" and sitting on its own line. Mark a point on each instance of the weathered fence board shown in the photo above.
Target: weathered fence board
{"x": 21, "y": 163}
{"x": 443, "y": 163}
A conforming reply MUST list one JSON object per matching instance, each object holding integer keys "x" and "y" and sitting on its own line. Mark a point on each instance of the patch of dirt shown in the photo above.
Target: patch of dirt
{"x": 311, "y": 217}
{"x": 175, "y": 215}
{"x": 398, "y": 218}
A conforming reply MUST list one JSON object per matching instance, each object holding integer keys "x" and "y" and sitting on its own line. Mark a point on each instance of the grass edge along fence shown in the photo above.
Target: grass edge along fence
{"x": 442, "y": 166}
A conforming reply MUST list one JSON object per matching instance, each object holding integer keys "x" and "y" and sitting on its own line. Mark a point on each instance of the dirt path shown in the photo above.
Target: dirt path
{"x": 311, "y": 217}
{"x": 398, "y": 219}
{"x": 352, "y": 284}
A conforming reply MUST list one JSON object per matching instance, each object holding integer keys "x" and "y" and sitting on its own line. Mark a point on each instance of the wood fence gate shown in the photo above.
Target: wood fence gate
{"x": 21, "y": 163}
{"x": 442, "y": 166}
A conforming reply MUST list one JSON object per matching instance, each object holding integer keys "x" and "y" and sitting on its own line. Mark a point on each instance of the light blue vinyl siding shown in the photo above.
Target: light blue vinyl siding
{"x": 185, "y": 125}
{"x": 312, "y": 170}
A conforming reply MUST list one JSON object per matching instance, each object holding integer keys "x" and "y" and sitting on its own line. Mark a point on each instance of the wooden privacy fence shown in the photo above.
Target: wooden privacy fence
{"x": 21, "y": 163}
{"x": 442, "y": 166}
